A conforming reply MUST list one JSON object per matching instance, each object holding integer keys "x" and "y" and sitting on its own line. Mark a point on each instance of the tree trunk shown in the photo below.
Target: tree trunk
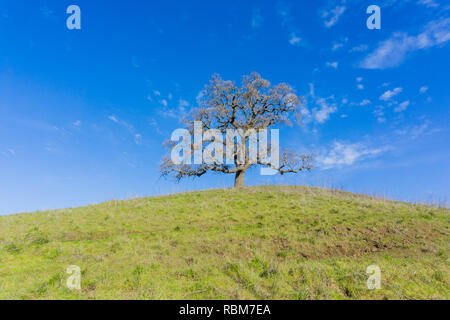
{"x": 239, "y": 179}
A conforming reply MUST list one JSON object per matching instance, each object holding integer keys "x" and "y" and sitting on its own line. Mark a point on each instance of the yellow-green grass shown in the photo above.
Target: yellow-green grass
{"x": 254, "y": 243}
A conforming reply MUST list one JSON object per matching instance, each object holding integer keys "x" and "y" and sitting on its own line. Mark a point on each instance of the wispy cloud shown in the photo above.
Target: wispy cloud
{"x": 423, "y": 89}
{"x": 347, "y": 154}
{"x": 326, "y": 107}
{"x": 390, "y": 94}
{"x": 129, "y": 127}
{"x": 419, "y": 130}
{"x": 360, "y": 48}
{"x": 46, "y": 12}
{"x": 331, "y": 17}
{"x": 257, "y": 18}
{"x": 379, "y": 113}
{"x": 402, "y": 106}
{"x": 135, "y": 62}
{"x": 428, "y": 3}
{"x": 392, "y": 52}
{"x": 336, "y": 45}
{"x": 312, "y": 90}
{"x": 332, "y": 64}
{"x": 164, "y": 102}
{"x": 359, "y": 85}
{"x": 322, "y": 108}
{"x": 155, "y": 125}
{"x": 294, "y": 40}
{"x": 125, "y": 124}
{"x": 182, "y": 105}
{"x": 138, "y": 138}
{"x": 113, "y": 118}
{"x": 284, "y": 11}
{"x": 176, "y": 113}
{"x": 9, "y": 151}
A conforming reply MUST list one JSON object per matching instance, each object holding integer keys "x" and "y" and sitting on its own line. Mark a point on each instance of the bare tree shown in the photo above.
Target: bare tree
{"x": 255, "y": 105}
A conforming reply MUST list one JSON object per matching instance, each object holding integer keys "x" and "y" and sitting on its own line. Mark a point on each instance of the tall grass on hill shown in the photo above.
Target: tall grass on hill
{"x": 256, "y": 243}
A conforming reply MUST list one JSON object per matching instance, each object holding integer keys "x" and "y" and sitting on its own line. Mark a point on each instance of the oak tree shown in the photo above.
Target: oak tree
{"x": 251, "y": 108}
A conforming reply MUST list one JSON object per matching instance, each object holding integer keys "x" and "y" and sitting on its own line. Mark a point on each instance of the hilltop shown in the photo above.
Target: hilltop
{"x": 254, "y": 243}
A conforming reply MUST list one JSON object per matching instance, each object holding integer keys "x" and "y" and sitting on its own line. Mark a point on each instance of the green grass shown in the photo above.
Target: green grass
{"x": 255, "y": 243}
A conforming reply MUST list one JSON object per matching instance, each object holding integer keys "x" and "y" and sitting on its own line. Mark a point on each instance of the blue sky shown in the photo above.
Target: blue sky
{"x": 84, "y": 113}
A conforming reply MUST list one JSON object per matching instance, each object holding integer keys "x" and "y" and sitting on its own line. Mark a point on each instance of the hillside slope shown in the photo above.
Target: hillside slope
{"x": 256, "y": 243}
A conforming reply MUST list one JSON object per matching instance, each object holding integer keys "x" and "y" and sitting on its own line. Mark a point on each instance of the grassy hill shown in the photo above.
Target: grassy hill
{"x": 256, "y": 243}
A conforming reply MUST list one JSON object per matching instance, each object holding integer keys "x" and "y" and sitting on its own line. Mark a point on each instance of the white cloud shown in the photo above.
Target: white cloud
{"x": 77, "y": 123}
{"x": 419, "y": 130}
{"x": 113, "y": 118}
{"x": 392, "y": 52}
{"x": 155, "y": 125}
{"x": 360, "y": 86}
{"x": 135, "y": 62}
{"x": 360, "y": 48}
{"x": 284, "y": 11}
{"x": 379, "y": 114}
{"x": 321, "y": 109}
{"x": 164, "y": 102}
{"x": 46, "y": 12}
{"x": 324, "y": 111}
{"x": 330, "y": 18}
{"x": 311, "y": 90}
{"x": 294, "y": 40}
{"x": 365, "y": 102}
{"x": 390, "y": 94}
{"x": 11, "y": 151}
{"x": 345, "y": 154}
{"x": 402, "y": 106}
{"x": 138, "y": 139}
{"x": 182, "y": 105}
{"x": 125, "y": 124}
{"x": 423, "y": 89}
{"x": 422, "y": 130}
{"x": 257, "y": 18}
{"x": 176, "y": 113}
{"x": 428, "y": 3}
{"x": 157, "y": 93}
{"x": 337, "y": 45}
{"x": 332, "y": 64}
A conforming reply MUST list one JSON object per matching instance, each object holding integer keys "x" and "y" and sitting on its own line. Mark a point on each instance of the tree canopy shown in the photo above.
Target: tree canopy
{"x": 243, "y": 113}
